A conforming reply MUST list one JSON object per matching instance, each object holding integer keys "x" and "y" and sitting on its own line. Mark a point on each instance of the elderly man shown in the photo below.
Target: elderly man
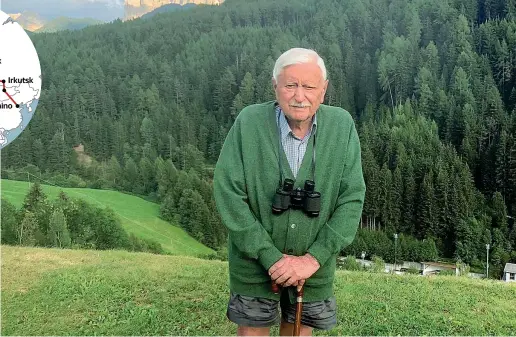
{"x": 289, "y": 187}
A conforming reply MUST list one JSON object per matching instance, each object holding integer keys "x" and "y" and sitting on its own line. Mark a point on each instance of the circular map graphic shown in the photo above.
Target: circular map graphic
{"x": 20, "y": 79}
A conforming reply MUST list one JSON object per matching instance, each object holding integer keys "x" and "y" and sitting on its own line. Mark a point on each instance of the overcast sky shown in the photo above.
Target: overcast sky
{"x": 106, "y": 10}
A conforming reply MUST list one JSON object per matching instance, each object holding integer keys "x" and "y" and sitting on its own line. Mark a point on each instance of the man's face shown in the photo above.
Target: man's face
{"x": 300, "y": 90}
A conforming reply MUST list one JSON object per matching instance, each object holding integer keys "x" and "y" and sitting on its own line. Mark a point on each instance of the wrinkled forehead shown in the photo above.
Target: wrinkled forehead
{"x": 309, "y": 71}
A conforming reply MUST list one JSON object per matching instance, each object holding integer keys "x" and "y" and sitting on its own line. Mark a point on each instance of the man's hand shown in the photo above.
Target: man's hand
{"x": 293, "y": 270}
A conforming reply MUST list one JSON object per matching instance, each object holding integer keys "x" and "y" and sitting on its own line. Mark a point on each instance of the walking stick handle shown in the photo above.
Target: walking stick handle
{"x": 300, "y": 291}
{"x": 275, "y": 287}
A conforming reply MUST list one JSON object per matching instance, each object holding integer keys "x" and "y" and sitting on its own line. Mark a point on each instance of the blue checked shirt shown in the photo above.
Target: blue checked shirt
{"x": 294, "y": 147}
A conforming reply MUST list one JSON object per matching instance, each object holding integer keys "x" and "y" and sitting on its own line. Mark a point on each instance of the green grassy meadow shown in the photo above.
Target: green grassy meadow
{"x": 81, "y": 292}
{"x": 137, "y": 216}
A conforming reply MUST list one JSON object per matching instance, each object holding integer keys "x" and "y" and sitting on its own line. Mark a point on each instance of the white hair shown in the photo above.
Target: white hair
{"x": 297, "y": 56}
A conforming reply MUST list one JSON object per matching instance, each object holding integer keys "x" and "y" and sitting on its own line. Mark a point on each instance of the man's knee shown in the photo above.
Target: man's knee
{"x": 287, "y": 329}
{"x": 250, "y": 331}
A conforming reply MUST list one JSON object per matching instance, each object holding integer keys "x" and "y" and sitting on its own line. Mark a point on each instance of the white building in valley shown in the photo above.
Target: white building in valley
{"x": 509, "y": 272}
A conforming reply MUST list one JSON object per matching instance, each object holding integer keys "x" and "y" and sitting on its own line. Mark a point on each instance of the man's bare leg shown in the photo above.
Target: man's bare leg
{"x": 249, "y": 331}
{"x": 287, "y": 329}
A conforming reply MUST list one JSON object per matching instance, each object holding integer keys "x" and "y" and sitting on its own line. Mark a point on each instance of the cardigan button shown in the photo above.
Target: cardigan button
{"x": 293, "y": 226}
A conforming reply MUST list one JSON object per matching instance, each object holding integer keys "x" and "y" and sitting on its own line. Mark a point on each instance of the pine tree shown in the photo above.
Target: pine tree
{"x": 193, "y": 159}
{"x": 500, "y": 253}
{"x": 409, "y": 200}
{"x": 385, "y": 198}
{"x": 58, "y": 152}
{"x": 34, "y": 198}
{"x": 131, "y": 176}
{"x": 108, "y": 230}
{"x": 247, "y": 88}
{"x": 168, "y": 210}
{"x": 237, "y": 106}
{"x": 147, "y": 175}
{"x": 113, "y": 172}
{"x": 226, "y": 91}
{"x": 429, "y": 250}
{"x": 499, "y": 214}
{"x": 166, "y": 176}
{"x": 26, "y": 232}
{"x": 510, "y": 10}
{"x": 219, "y": 232}
{"x": 9, "y": 221}
{"x": 467, "y": 232}
{"x": 39, "y": 154}
{"x": 396, "y": 199}
{"x": 426, "y": 214}
{"x": 456, "y": 212}
{"x": 372, "y": 179}
{"x": 442, "y": 194}
{"x": 58, "y": 234}
{"x": 501, "y": 166}
{"x": 37, "y": 204}
{"x": 148, "y": 131}
{"x": 511, "y": 172}
{"x": 194, "y": 216}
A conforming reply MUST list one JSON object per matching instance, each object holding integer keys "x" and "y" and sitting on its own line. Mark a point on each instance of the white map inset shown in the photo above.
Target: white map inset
{"x": 20, "y": 79}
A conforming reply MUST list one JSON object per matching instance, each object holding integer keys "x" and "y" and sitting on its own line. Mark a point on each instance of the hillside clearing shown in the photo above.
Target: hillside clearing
{"x": 137, "y": 216}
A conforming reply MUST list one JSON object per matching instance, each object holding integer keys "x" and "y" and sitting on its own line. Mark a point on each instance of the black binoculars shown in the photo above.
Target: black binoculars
{"x": 305, "y": 199}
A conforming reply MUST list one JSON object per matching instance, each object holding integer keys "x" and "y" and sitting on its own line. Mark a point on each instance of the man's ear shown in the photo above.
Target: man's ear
{"x": 274, "y": 84}
{"x": 325, "y": 87}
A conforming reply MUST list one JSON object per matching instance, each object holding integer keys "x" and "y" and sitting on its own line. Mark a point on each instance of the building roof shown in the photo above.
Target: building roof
{"x": 510, "y": 268}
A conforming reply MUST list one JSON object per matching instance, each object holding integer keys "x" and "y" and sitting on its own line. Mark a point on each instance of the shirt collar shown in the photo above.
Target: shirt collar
{"x": 285, "y": 128}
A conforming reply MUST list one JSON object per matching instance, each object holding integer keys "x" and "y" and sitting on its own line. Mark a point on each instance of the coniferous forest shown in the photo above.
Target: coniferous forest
{"x": 144, "y": 107}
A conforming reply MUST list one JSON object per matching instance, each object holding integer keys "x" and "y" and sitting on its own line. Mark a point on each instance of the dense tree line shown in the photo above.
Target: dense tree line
{"x": 432, "y": 86}
{"x": 377, "y": 243}
{"x": 66, "y": 223}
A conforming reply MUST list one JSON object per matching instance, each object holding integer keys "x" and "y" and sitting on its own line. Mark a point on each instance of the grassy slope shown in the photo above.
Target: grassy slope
{"x": 63, "y": 292}
{"x": 137, "y": 215}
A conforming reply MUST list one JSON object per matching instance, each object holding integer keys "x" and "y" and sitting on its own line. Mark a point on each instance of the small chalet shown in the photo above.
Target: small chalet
{"x": 509, "y": 272}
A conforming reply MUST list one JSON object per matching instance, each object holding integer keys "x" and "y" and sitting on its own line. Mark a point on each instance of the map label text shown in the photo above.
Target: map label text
{"x": 6, "y": 106}
{"x": 20, "y": 80}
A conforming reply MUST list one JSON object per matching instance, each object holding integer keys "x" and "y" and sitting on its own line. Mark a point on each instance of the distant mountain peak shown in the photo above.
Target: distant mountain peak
{"x": 33, "y": 22}
{"x": 137, "y": 8}
{"x": 29, "y": 20}
{"x": 15, "y": 16}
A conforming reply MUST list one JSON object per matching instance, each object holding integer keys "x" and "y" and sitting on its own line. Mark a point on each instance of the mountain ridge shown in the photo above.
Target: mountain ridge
{"x": 29, "y": 20}
{"x": 35, "y": 23}
{"x": 67, "y": 23}
{"x": 136, "y": 8}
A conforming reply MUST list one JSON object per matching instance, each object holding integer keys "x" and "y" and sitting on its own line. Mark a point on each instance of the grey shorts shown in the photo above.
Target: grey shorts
{"x": 263, "y": 312}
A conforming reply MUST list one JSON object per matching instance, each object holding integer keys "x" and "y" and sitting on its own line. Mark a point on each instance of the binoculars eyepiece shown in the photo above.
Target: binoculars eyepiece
{"x": 305, "y": 199}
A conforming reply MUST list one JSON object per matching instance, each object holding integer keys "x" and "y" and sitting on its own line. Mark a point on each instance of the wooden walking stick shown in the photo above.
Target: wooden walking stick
{"x": 299, "y": 310}
{"x": 299, "y": 307}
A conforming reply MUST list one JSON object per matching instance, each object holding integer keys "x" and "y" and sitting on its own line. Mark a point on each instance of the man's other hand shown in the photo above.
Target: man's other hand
{"x": 292, "y": 270}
